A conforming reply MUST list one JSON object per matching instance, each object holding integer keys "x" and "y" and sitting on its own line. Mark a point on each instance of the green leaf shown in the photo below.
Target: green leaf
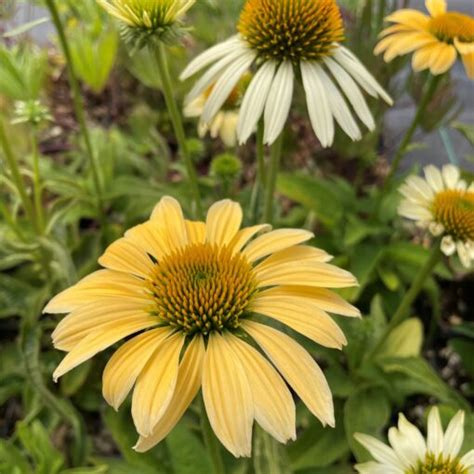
{"x": 405, "y": 340}
{"x": 465, "y": 349}
{"x": 187, "y": 452}
{"x": 12, "y": 460}
{"x": 87, "y": 470}
{"x": 25, "y": 27}
{"x": 268, "y": 455}
{"x": 366, "y": 411}
{"x": 420, "y": 377}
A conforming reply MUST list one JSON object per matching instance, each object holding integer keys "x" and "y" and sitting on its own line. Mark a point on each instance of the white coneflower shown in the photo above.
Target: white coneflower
{"x": 409, "y": 453}
{"x": 444, "y": 204}
{"x": 282, "y": 39}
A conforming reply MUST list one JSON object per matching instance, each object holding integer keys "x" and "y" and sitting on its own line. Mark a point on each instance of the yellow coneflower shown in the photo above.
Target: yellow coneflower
{"x": 436, "y": 40}
{"x": 443, "y": 203}
{"x": 409, "y": 453}
{"x": 281, "y": 39}
{"x": 188, "y": 293}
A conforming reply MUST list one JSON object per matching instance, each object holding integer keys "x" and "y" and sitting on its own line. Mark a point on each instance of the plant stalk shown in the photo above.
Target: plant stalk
{"x": 37, "y": 184}
{"x": 212, "y": 444}
{"x": 259, "y": 183}
{"x": 176, "y": 119}
{"x": 429, "y": 91}
{"x": 403, "y": 309}
{"x": 78, "y": 104}
{"x": 275, "y": 157}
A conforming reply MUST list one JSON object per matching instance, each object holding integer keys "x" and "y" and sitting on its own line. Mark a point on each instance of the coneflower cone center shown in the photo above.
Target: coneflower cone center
{"x": 291, "y": 29}
{"x": 448, "y": 26}
{"x": 454, "y": 209}
{"x": 202, "y": 288}
{"x": 438, "y": 465}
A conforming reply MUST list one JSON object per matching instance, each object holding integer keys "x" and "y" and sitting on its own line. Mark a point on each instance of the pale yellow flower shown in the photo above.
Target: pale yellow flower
{"x": 409, "y": 453}
{"x": 188, "y": 293}
{"x": 435, "y": 40}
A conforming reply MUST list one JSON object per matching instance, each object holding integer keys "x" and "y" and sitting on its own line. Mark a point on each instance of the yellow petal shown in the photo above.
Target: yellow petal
{"x": 156, "y": 385}
{"x": 274, "y": 405}
{"x": 124, "y": 256}
{"x": 411, "y": 18}
{"x": 407, "y": 43}
{"x": 304, "y": 317}
{"x": 223, "y": 222}
{"x": 299, "y": 254}
{"x": 187, "y": 387}
{"x": 316, "y": 274}
{"x": 227, "y": 397}
{"x": 196, "y": 232}
{"x": 100, "y": 284}
{"x": 422, "y": 58}
{"x": 244, "y": 235}
{"x": 151, "y": 238}
{"x": 395, "y": 29}
{"x": 128, "y": 361}
{"x": 275, "y": 241}
{"x": 383, "y": 44}
{"x": 464, "y": 48}
{"x": 324, "y": 299}
{"x": 97, "y": 341}
{"x": 436, "y": 7}
{"x": 169, "y": 216}
{"x": 297, "y": 367}
{"x": 443, "y": 59}
{"x": 78, "y": 324}
{"x": 468, "y": 61}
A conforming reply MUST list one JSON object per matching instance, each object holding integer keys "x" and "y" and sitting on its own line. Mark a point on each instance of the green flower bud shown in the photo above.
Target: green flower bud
{"x": 226, "y": 167}
{"x": 32, "y": 112}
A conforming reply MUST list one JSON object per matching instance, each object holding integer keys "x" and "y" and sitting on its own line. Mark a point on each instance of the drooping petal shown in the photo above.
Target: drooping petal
{"x": 187, "y": 387}
{"x": 254, "y": 100}
{"x": 97, "y": 341}
{"x": 156, "y": 384}
{"x": 468, "y": 61}
{"x": 297, "y": 367}
{"x": 274, "y": 405}
{"x": 128, "y": 361}
{"x": 445, "y": 57}
{"x": 278, "y": 102}
{"x": 223, "y": 222}
{"x": 227, "y": 397}
{"x": 275, "y": 241}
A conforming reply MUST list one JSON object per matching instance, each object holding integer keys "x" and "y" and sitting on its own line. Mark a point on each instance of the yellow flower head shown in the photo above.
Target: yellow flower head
{"x": 198, "y": 298}
{"x": 410, "y": 453}
{"x": 435, "y": 40}
{"x": 291, "y": 29}
{"x": 146, "y": 18}
{"x": 443, "y": 203}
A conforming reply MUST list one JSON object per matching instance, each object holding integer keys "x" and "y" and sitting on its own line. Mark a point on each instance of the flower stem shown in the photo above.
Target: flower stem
{"x": 430, "y": 89}
{"x": 78, "y": 104}
{"x": 212, "y": 444}
{"x": 259, "y": 180}
{"x": 176, "y": 119}
{"x": 16, "y": 176}
{"x": 403, "y": 309}
{"x": 37, "y": 192}
{"x": 275, "y": 157}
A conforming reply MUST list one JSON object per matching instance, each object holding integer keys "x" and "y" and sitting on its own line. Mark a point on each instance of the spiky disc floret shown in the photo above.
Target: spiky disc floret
{"x": 291, "y": 29}
{"x": 203, "y": 288}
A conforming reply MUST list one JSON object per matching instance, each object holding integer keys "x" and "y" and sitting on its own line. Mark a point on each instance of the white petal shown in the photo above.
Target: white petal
{"x": 372, "y": 467}
{"x": 380, "y": 451}
{"x": 210, "y": 55}
{"x": 448, "y": 246}
{"x": 339, "y": 107}
{"x": 414, "y": 211}
{"x": 467, "y": 461}
{"x": 318, "y": 104}
{"x": 451, "y": 176}
{"x": 254, "y": 100}
{"x": 435, "y": 439}
{"x": 224, "y": 85}
{"x": 436, "y": 228}
{"x": 434, "y": 178}
{"x": 278, "y": 102}
{"x": 454, "y": 435}
{"x": 358, "y": 71}
{"x": 352, "y": 92}
{"x": 464, "y": 254}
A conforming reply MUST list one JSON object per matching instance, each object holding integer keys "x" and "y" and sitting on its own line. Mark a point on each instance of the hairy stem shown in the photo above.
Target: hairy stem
{"x": 275, "y": 157}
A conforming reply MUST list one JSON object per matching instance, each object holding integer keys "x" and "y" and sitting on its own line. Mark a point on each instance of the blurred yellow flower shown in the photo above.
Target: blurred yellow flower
{"x": 409, "y": 453}
{"x": 443, "y": 203}
{"x": 436, "y": 40}
{"x": 283, "y": 40}
{"x": 187, "y": 292}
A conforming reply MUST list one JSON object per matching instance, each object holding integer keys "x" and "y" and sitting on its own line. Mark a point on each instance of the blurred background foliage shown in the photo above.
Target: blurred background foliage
{"x": 67, "y": 428}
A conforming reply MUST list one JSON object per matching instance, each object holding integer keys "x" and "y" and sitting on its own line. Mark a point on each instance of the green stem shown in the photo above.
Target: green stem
{"x": 4, "y": 211}
{"x": 212, "y": 443}
{"x": 259, "y": 179}
{"x": 37, "y": 184}
{"x": 176, "y": 119}
{"x": 16, "y": 175}
{"x": 78, "y": 104}
{"x": 275, "y": 157}
{"x": 403, "y": 309}
{"x": 429, "y": 91}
